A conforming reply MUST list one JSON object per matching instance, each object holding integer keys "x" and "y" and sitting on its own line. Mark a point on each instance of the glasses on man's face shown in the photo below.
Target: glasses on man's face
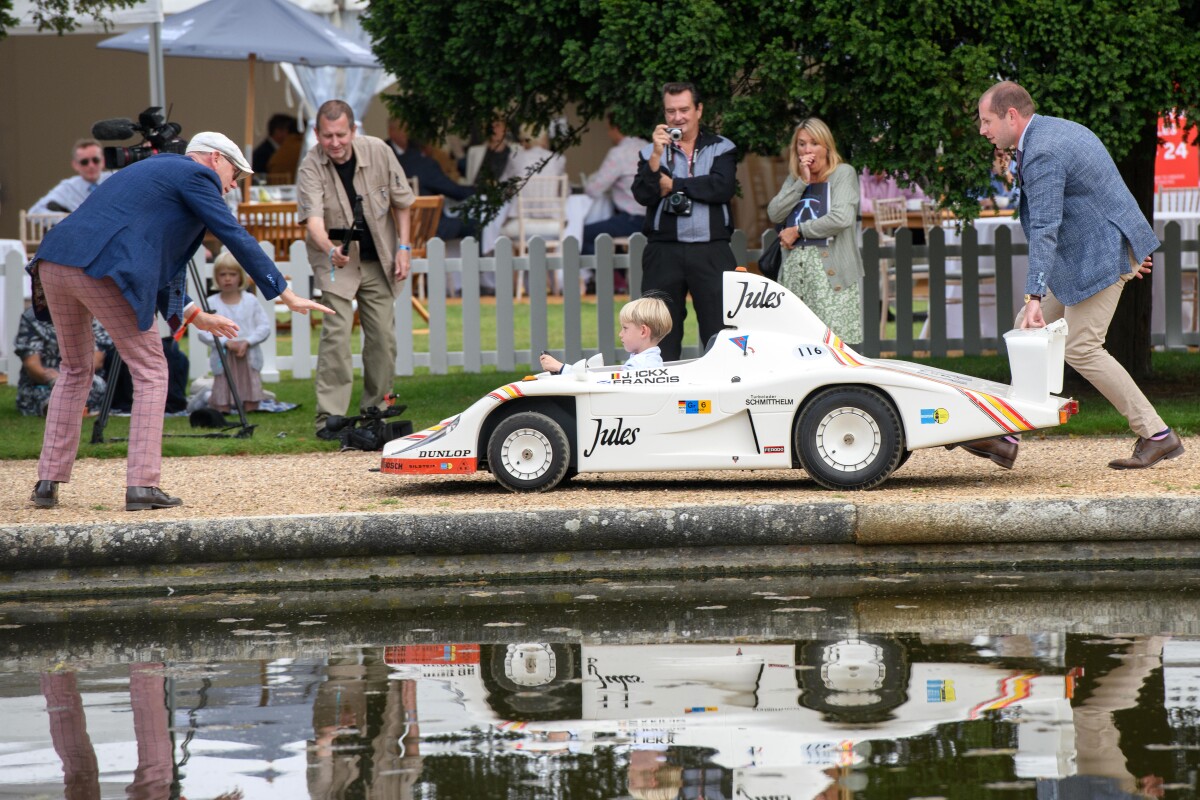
{"x": 237, "y": 171}
{"x": 83, "y": 162}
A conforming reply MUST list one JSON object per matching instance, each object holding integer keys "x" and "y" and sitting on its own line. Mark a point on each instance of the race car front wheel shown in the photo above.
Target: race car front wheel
{"x": 849, "y": 438}
{"x": 529, "y": 452}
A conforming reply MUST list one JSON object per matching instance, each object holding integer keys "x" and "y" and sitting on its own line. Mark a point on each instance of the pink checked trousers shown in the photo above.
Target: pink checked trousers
{"x": 74, "y": 298}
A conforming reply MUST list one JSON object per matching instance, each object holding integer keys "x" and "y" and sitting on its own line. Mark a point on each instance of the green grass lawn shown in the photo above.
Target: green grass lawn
{"x": 430, "y": 398}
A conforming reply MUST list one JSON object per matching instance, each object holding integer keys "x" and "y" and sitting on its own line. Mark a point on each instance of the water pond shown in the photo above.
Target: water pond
{"x": 1009, "y": 685}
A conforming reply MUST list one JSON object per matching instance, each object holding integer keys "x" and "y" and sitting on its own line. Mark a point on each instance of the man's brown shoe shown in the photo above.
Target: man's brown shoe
{"x": 999, "y": 449}
{"x": 45, "y": 494}
{"x": 1147, "y": 452}
{"x": 142, "y": 498}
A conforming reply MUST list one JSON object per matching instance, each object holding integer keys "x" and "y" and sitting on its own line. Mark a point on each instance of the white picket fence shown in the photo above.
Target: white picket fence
{"x": 470, "y": 271}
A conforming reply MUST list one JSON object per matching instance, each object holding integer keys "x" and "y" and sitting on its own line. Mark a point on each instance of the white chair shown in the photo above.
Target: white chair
{"x": 1178, "y": 199}
{"x": 34, "y": 227}
{"x": 541, "y": 210}
{"x": 891, "y": 214}
{"x": 934, "y": 217}
{"x": 1184, "y": 200}
{"x": 931, "y": 216}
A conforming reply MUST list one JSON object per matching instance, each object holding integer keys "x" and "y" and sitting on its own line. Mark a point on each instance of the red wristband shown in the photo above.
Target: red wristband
{"x": 179, "y": 333}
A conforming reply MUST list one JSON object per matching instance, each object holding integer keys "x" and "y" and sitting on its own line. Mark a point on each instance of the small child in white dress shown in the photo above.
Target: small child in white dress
{"x": 243, "y": 354}
{"x": 644, "y": 323}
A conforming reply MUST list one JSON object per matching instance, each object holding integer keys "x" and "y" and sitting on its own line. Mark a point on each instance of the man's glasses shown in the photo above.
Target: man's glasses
{"x": 237, "y": 171}
{"x": 83, "y": 162}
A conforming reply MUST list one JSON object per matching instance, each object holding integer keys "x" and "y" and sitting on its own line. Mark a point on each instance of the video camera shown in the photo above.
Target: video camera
{"x": 158, "y": 136}
{"x": 370, "y": 430}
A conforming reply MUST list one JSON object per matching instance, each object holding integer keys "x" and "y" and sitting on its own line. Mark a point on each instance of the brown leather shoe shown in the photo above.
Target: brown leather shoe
{"x": 999, "y": 449}
{"x": 1147, "y": 452}
{"x": 143, "y": 498}
{"x": 45, "y": 494}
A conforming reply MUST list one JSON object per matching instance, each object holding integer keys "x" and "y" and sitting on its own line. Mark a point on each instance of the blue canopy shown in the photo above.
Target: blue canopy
{"x": 235, "y": 30}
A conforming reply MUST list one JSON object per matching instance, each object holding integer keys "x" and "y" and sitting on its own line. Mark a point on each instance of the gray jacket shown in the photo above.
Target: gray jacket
{"x": 1078, "y": 215}
{"x": 841, "y": 258}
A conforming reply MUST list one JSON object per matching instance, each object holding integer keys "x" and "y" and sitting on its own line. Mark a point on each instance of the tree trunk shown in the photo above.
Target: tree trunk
{"x": 1129, "y": 333}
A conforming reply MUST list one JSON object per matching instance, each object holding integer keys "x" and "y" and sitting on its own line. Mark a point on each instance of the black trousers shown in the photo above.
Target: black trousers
{"x": 672, "y": 270}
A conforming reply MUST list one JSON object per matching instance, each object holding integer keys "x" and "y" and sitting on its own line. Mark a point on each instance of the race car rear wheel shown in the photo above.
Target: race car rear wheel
{"x": 849, "y": 438}
{"x": 529, "y": 452}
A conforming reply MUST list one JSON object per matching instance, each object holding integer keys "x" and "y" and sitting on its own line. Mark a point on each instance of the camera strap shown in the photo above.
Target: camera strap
{"x": 691, "y": 160}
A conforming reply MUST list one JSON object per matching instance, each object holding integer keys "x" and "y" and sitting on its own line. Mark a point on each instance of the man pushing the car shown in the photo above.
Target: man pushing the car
{"x": 1087, "y": 239}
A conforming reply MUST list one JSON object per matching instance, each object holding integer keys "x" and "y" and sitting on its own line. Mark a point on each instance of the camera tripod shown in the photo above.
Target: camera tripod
{"x": 246, "y": 429}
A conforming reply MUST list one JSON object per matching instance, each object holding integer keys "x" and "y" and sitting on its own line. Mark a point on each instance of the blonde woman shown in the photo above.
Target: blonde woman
{"x": 822, "y": 264}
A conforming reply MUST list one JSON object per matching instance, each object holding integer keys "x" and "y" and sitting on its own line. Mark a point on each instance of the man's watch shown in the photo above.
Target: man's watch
{"x": 1029, "y": 297}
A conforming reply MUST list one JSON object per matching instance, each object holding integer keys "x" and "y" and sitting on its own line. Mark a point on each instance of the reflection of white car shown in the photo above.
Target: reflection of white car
{"x": 776, "y": 390}
{"x": 773, "y": 711}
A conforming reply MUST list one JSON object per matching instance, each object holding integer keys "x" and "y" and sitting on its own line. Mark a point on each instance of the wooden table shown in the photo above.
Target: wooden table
{"x": 272, "y": 222}
{"x": 915, "y": 222}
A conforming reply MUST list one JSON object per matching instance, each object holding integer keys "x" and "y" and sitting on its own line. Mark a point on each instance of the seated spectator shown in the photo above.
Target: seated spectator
{"x": 37, "y": 347}
{"x": 616, "y": 175}
{"x": 445, "y": 160}
{"x": 874, "y": 186}
{"x": 431, "y": 179}
{"x": 535, "y": 148}
{"x": 1003, "y": 191}
{"x": 490, "y": 159}
{"x": 87, "y": 159}
{"x": 278, "y": 129}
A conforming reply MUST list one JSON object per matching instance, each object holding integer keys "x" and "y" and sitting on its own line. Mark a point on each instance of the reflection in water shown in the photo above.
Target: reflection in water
{"x": 549, "y": 711}
{"x": 155, "y": 777}
{"x": 155, "y": 772}
{"x": 366, "y": 737}
{"x": 68, "y": 731}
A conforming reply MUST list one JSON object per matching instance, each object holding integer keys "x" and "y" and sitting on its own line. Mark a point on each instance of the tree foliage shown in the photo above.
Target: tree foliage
{"x": 898, "y": 82}
{"x": 61, "y": 16}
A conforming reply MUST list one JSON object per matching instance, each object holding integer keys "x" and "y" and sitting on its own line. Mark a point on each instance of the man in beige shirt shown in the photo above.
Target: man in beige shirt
{"x": 341, "y": 166}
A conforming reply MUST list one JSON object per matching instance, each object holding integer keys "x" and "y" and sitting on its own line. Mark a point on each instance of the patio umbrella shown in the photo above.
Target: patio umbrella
{"x": 251, "y": 30}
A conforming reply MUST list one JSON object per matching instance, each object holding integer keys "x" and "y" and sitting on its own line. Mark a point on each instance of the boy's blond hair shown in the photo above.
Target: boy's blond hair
{"x": 651, "y": 312}
{"x": 227, "y": 263}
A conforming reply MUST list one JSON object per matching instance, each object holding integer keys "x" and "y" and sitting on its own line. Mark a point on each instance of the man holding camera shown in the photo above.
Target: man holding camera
{"x": 366, "y": 262}
{"x": 685, "y": 179}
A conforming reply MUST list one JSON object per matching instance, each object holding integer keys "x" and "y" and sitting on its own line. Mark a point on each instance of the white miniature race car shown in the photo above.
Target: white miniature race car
{"x": 775, "y": 390}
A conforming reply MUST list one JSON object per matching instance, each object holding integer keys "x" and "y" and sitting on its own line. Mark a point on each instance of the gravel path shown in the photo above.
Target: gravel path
{"x": 334, "y": 483}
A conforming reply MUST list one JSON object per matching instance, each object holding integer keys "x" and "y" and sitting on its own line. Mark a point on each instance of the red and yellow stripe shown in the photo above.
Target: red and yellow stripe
{"x": 994, "y": 408}
{"x": 1000, "y": 411}
{"x": 840, "y": 352}
{"x": 1013, "y": 689}
{"x": 506, "y": 393}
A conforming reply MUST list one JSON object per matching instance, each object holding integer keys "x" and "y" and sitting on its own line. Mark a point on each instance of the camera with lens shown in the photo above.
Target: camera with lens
{"x": 158, "y": 136}
{"x": 370, "y": 430}
{"x": 676, "y": 134}
{"x": 679, "y": 204}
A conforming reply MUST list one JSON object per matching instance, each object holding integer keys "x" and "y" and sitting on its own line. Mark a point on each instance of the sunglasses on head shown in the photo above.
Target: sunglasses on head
{"x": 83, "y": 162}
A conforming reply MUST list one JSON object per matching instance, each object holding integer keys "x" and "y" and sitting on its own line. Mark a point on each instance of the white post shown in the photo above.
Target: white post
{"x": 299, "y": 276}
